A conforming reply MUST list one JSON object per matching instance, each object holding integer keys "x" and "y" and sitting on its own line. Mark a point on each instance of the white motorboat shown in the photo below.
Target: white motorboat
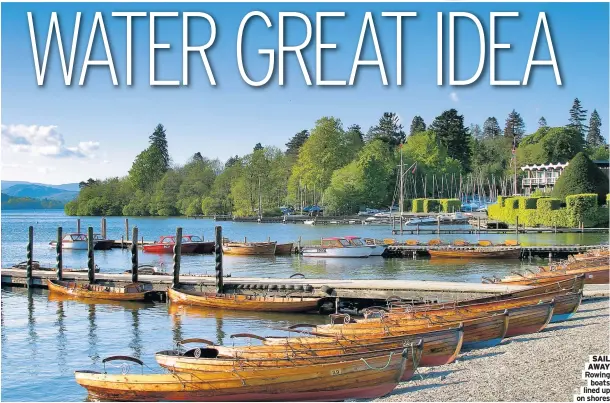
{"x": 337, "y": 247}
{"x": 378, "y": 247}
{"x": 445, "y": 219}
{"x": 309, "y": 222}
{"x": 423, "y": 221}
{"x": 74, "y": 241}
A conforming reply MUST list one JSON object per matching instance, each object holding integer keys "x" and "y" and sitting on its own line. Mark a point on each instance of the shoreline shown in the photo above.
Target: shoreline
{"x": 544, "y": 366}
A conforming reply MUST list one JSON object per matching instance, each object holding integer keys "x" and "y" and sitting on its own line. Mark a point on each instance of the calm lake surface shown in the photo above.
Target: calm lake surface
{"x": 45, "y": 338}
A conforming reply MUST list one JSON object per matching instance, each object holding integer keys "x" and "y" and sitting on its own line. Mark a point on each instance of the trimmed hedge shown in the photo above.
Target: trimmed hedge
{"x": 417, "y": 206}
{"x": 450, "y": 205}
{"x": 432, "y": 205}
{"x": 581, "y": 208}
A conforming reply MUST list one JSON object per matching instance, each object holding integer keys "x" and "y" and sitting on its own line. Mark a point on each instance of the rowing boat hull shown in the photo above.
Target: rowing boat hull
{"x": 249, "y": 249}
{"x": 440, "y": 346}
{"x": 479, "y": 253}
{"x": 368, "y": 378}
{"x": 185, "y": 248}
{"x": 283, "y": 249}
{"x": 347, "y": 252}
{"x": 65, "y": 288}
{"x": 243, "y": 302}
{"x": 593, "y": 275}
{"x": 204, "y": 247}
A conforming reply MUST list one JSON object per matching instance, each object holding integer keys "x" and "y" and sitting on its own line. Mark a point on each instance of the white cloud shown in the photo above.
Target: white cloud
{"x": 454, "y": 97}
{"x": 45, "y": 141}
{"x": 46, "y": 170}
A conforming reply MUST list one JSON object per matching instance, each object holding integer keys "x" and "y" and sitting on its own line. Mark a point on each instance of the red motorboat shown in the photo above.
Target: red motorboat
{"x": 202, "y": 246}
{"x": 165, "y": 244}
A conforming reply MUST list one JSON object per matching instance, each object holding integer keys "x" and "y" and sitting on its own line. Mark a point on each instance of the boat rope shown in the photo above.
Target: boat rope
{"x": 380, "y": 368}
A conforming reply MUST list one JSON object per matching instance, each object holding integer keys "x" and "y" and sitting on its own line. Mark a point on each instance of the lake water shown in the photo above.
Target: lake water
{"x": 45, "y": 338}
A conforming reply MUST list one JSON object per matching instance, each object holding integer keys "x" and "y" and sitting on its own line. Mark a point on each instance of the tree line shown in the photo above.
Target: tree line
{"x": 343, "y": 169}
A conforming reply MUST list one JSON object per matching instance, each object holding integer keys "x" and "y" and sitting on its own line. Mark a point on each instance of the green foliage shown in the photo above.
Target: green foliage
{"x": 491, "y": 128}
{"x": 578, "y": 115}
{"x": 431, "y": 206}
{"x": 450, "y": 130}
{"x": 148, "y": 168}
{"x": 581, "y": 176}
{"x": 417, "y": 206}
{"x": 514, "y": 128}
{"x": 594, "y": 134}
{"x": 417, "y": 125}
{"x": 345, "y": 191}
{"x": 158, "y": 140}
{"x": 450, "y": 205}
{"x": 19, "y": 203}
{"x": 549, "y": 145}
{"x": 580, "y": 209}
{"x": 491, "y": 156}
{"x": 527, "y": 203}
{"x": 598, "y": 153}
{"x": 389, "y": 129}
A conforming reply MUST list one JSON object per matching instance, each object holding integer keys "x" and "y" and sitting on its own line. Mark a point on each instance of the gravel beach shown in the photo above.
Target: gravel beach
{"x": 545, "y": 366}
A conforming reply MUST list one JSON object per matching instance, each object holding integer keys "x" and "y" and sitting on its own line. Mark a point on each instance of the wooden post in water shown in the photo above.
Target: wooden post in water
{"x": 218, "y": 255}
{"x": 134, "y": 256}
{"x": 59, "y": 250}
{"x": 90, "y": 258}
{"x": 127, "y": 229}
{"x": 29, "y": 256}
{"x": 78, "y": 225}
{"x": 177, "y": 255}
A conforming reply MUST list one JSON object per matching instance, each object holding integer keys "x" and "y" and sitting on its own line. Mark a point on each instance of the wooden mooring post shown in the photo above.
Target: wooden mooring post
{"x": 90, "y": 258}
{"x": 177, "y": 255}
{"x": 78, "y": 225}
{"x": 134, "y": 255}
{"x": 59, "y": 252}
{"x": 30, "y": 257}
{"x": 104, "y": 232}
{"x": 218, "y": 256}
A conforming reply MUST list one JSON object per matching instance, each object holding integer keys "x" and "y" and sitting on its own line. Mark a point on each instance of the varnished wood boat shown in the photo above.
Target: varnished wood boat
{"x": 480, "y": 331}
{"x": 334, "y": 381}
{"x": 131, "y": 292}
{"x": 573, "y": 283}
{"x": 36, "y": 266}
{"x": 243, "y": 302}
{"x": 249, "y": 248}
{"x": 226, "y": 359}
{"x": 593, "y": 275}
{"x": 283, "y": 248}
{"x": 466, "y": 252}
{"x": 441, "y": 346}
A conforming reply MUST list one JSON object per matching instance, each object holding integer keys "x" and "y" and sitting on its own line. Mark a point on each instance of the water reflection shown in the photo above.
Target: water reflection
{"x": 136, "y": 341}
{"x": 32, "y": 338}
{"x": 61, "y": 336}
{"x": 92, "y": 334}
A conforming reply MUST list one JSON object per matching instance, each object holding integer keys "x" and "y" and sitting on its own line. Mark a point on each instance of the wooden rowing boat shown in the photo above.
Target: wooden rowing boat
{"x": 484, "y": 330}
{"x": 131, "y": 292}
{"x": 593, "y": 275}
{"x": 243, "y": 302}
{"x": 453, "y": 252}
{"x": 283, "y": 248}
{"x": 333, "y": 381}
{"x": 441, "y": 346}
{"x": 249, "y": 248}
{"x": 226, "y": 359}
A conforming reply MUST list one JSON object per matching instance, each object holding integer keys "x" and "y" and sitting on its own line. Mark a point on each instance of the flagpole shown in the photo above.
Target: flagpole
{"x": 515, "y": 163}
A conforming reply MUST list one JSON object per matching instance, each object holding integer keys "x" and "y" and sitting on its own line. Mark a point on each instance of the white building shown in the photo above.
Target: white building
{"x": 541, "y": 177}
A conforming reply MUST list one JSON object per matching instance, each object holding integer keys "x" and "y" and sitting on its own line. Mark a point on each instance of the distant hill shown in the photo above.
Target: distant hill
{"x": 71, "y": 187}
{"x": 40, "y": 192}
{"x": 20, "y": 203}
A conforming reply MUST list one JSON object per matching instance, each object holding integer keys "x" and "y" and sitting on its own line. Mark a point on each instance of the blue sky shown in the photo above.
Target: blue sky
{"x": 96, "y": 130}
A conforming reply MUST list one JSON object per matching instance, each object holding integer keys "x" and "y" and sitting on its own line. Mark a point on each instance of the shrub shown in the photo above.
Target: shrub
{"x": 582, "y": 208}
{"x": 273, "y": 212}
{"x": 431, "y": 205}
{"x": 581, "y": 176}
{"x": 417, "y": 206}
{"x": 450, "y": 205}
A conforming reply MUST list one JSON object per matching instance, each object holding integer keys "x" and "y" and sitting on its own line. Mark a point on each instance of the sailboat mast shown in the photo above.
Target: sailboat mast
{"x": 260, "y": 199}
{"x": 401, "y": 198}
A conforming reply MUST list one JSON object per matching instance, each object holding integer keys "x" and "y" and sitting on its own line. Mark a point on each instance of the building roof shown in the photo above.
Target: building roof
{"x": 544, "y": 166}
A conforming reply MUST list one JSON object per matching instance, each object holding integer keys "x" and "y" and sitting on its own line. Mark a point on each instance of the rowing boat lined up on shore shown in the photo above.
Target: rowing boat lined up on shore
{"x": 243, "y": 302}
{"x": 328, "y": 380}
{"x": 131, "y": 292}
{"x": 468, "y": 252}
{"x": 593, "y": 275}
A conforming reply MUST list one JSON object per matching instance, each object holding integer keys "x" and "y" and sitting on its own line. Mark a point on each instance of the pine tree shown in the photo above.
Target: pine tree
{"x": 388, "y": 129}
{"x": 232, "y": 161}
{"x": 197, "y": 157}
{"x": 594, "y": 135}
{"x": 476, "y": 132}
{"x": 578, "y": 116}
{"x": 356, "y": 129}
{"x": 417, "y": 125}
{"x": 542, "y": 123}
{"x": 515, "y": 127}
{"x": 450, "y": 130}
{"x": 159, "y": 140}
{"x": 295, "y": 143}
{"x": 258, "y": 146}
{"x": 491, "y": 128}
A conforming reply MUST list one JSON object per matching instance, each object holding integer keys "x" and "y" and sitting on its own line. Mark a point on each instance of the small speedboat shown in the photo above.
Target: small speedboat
{"x": 165, "y": 244}
{"x": 202, "y": 246}
{"x": 309, "y": 222}
{"x": 337, "y": 247}
{"x": 102, "y": 243}
{"x": 378, "y": 247}
{"x": 74, "y": 241}
{"x": 423, "y": 221}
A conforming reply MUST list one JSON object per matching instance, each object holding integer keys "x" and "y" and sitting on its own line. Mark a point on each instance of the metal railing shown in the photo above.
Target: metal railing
{"x": 539, "y": 181}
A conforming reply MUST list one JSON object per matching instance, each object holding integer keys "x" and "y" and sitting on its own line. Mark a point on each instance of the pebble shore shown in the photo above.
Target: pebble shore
{"x": 545, "y": 366}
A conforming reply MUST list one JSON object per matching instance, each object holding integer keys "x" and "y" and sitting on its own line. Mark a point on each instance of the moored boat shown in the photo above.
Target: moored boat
{"x": 166, "y": 244}
{"x": 131, "y": 292}
{"x": 201, "y": 245}
{"x": 454, "y": 252}
{"x": 243, "y": 302}
{"x": 378, "y": 247}
{"x": 593, "y": 275}
{"x": 102, "y": 243}
{"x": 283, "y": 248}
{"x": 326, "y": 381}
{"x": 74, "y": 241}
{"x": 249, "y": 248}
{"x": 336, "y": 247}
